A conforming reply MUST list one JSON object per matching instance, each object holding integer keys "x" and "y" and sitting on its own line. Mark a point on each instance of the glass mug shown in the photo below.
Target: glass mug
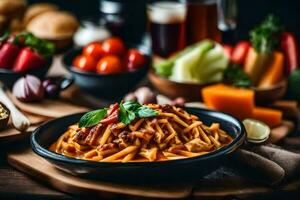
{"x": 174, "y": 24}
{"x": 167, "y": 27}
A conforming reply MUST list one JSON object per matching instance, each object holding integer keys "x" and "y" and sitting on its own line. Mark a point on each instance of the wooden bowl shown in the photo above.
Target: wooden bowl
{"x": 191, "y": 91}
{"x": 4, "y": 121}
{"x": 173, "y": 89}
{"x": 268, "y": 95}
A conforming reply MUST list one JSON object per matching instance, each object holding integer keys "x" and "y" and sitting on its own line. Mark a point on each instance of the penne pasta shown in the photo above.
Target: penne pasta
{"x": 172, "y": 134}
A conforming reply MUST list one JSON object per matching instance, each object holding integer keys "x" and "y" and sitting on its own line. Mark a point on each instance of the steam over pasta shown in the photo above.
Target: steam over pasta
{"x": 172, "y": 134}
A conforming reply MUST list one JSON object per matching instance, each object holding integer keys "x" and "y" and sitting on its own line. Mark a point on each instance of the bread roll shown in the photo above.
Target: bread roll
{"x": 53, "y": 25}
{"x": 12, "y": 8}
{"x": 37, "y": 9}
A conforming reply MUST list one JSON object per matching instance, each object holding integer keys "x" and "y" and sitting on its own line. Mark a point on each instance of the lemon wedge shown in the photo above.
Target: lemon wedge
{"x": 257, "y": 131}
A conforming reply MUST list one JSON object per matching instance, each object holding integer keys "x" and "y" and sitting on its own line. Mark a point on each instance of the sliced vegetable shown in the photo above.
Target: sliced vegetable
{"x": 188, "y": 67}
{"x": 269, "y": 116}
{"x": 274, "y": 72}
{"x": 240, "y": 52}
{"x": 257, "y": 131}
{"x": 235, "y": 101}
{"x": 255, "y": 64}
{"x": 289, "y": 46}
{"x": 212, "y": 65}
{"x": 164, "y": 68}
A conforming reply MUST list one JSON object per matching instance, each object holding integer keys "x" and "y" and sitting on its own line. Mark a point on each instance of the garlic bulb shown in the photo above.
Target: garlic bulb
{"x": 28, "y": 88}
{"x": 144, "y": 95}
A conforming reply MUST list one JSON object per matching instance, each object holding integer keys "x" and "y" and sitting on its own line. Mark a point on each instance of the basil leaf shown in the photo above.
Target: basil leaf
{"x": 131, "y": 105}
{"x": 144, "y": 111}
{"x": 126, "y": 116}
{"x": 92, "y": 118}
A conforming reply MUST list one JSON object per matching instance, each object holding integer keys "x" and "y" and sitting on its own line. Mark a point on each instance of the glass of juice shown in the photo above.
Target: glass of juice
{"x": 167, "y": 26}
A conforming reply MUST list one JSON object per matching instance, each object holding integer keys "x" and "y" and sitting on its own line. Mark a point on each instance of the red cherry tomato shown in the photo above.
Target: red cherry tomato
{"x": 113, "y": 46}
{"x": 134, "y": 59}
{"x": 109, "y": 65}
{"x": 240, "y": 52}
{"x": 93, "y": 50}
{"x": 85, "y": 63}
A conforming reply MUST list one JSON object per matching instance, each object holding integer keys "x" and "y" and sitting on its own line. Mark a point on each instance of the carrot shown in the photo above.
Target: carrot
{"x": 255, "y": 64}
{"x": 274, "y": 72}
{"x": 270, "y": 116}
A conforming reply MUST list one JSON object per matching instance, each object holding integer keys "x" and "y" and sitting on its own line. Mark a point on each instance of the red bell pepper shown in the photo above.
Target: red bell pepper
{"x": 289, "y": 46}
{"x": 112, "y": 115}
{"x": 8, "y": 54}
{"x": 240, "y": 52}
{"x": 28, "y": 59}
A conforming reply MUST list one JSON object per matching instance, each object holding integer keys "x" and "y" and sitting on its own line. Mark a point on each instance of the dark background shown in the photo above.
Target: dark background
{"x": 250, "y": 12}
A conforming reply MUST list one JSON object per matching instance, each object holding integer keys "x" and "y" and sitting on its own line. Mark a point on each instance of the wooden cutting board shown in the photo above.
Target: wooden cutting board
{"x": 49, "y": 108}
{"x": 11, "y": 134}
{"x": 30, "y": 163}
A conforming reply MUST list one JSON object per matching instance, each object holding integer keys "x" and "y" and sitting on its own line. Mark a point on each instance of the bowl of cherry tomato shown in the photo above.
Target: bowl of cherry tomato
{"x": 108, "y": 69}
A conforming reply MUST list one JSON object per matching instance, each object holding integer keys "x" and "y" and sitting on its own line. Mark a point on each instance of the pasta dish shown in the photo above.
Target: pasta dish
{"x": 140, "y": 133}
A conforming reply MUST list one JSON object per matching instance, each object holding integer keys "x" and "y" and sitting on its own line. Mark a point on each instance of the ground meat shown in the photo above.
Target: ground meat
{"x": 80, "y": 136}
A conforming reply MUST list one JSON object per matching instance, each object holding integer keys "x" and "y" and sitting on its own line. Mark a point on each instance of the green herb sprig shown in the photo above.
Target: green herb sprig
{"x": 128, "y": 112}
{"x": 131, "y": 110}
{"x": 235, "y": 75}
{"x": 92, "y": 118}
{"x": 43, "y": 47}
{"x": 264, "y": 37}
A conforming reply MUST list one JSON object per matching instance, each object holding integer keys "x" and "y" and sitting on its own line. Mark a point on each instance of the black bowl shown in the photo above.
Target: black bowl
{"x": 9, "y": 77}
{"x": 111, "y": 86}
{"x": 175, "y": 170}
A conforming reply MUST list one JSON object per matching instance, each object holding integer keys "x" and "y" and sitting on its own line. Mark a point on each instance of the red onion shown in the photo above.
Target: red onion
{"x": 28, "y": 88}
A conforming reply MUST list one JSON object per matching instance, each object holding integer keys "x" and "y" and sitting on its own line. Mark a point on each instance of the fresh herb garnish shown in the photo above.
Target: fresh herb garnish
{"x": 128, "y": 112}
{"x": 144, "y": 111}
{"x": 92, "y": 118}
{"x": 235, "y": 75}
{"x": 43, "y": 47}
{"x": 126, "y": 115}
{"x": 264, "y": 37}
